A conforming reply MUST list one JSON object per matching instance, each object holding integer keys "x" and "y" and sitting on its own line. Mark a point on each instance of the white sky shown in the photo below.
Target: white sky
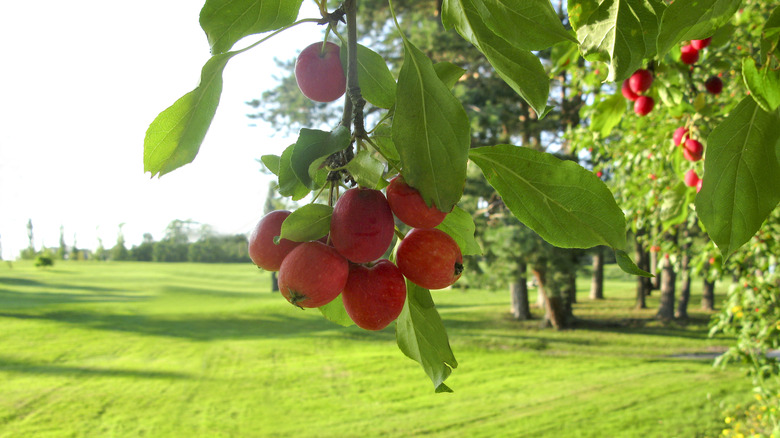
{"x": 79, "y": 84}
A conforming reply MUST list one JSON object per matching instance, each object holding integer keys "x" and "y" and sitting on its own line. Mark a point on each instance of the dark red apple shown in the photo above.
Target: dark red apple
{"x": 374, "y": 295}
{"x": 693, "y": 150}
{"x": 262, "y": 249}
{"x": 643, "y": 105}
{"x": 409, "y": 207}
{"x": 362, "y": 226}
{"x": 700, "y": 44}
{"x": 319, "y": 72}
{"x": 640, "y": 81}
{"x": 429, "y": 258}
{"x": 689, "y": 55}
{"x": 313, "y": 275}
{"x": 627, "y": 92}
{"x": 714, "y": 85}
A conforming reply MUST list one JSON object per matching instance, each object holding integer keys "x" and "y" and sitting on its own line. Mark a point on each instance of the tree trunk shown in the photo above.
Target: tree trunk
{"x": 597, "y": 283}
{"x": 668, "y": 277}
{"x": 639, "y": 255}
{"x": 707, "y": 290}
{"x": 655, "y": 282}
{"x": 274, "y": 282}
{"x": 571, "y": 285}
{"x": 541, "y": 297}
{"x": 519, "y": 292}
{"x": 685, "y": 287}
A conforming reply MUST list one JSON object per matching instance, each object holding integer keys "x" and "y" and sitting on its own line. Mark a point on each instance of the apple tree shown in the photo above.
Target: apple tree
{"x": 420, "y": 130}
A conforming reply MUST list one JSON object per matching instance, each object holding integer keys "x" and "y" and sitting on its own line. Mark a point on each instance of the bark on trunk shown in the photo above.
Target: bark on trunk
{"x": 519, "y": 291}
{"x": 274, "y": 282}
{"x": 655, "y": 282}
{"x": 666, "y": 308}
{"x": 707, "y": 291}
{"x": 639, "y": 255}
{"x": 571, "y": 286}
{"x": 597, "y": 283}
{"x": 685, "y": 286}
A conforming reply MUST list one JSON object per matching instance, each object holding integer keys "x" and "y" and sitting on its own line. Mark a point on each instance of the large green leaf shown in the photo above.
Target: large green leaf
{"x": 448, "y": 72}
{"x": 620, "y": 33}
{"x": 693, "y": 19}
{"x": 525, "y": 24}
{"x": 460, "y": 225}
{"x": 366, "y": 170}
{"x": 421, "y": 336}
{"x": 310, "y": 222}
{"x": 227, "y": 21}
{"x": 430, "y": 132}
{"x": 742, "y": 178}
{"x": 312, "y": 145}
{"x": 568, "y": 206}
{"x": 174, "y": 137}
{"x": 289, "y": 184}
{"x": 607, "y": 114}
{"x": 628, "y": 265}
{"x": 376, "y": 82}
{"x": 763, "y": 84}
{"x": 518, "y": 67}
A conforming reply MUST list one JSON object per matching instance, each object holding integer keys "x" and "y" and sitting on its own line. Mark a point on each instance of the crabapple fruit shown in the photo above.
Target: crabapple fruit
{"x": 362, "y": 227}
{"x": 262, "y": 249}
{"x": 643, "y": 105}
{"x": 313, "y": 275}
{"x": 689, "y": 54}
{"x": 700, "y": 44}
{"x": 319, "y": 73}
{"x": 640, "y": 81}
{"x": 429, "y": 258}
{"x": 627, "y": 92}
{"x": 714, "y": 85}
{"x": 409, "y": 206}
{"x": 693, "y": 150}
{"x": 691, "y": 178}
{"x": 680, "y": 134}
{"x": 374, "y": 295}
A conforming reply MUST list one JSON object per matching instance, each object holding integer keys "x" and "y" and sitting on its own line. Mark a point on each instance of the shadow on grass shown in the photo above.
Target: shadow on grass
{"x": 28, "y": 367}
{"x": 12, "y": 299}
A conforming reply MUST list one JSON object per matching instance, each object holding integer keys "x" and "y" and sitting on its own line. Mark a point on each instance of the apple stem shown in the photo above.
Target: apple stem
{"x": 398, "y": 233}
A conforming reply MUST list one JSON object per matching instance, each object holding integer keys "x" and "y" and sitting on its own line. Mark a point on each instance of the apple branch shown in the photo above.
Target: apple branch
{"x": 353, "y": 87}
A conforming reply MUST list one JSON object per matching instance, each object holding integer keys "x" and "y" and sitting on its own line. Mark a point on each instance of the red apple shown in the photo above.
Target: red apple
{"x": 319, "y": 72}
{"x": 313, "y": 275}
{"x": 698, "y": 185}
{"x": 262, "y": 249}
{"x": 714, "y": 85}
{"x": 362, "y": 225}
{"x": 374, "y": 295}
{"x": 599, "y": 174}
{"x": 689, "y": 55}
{"x": 691, "y": 178}
{"x": 627, "y": 93}
{"x": 429, "y": 258}
{"x": 680, "y": 134}
{"x": 409, "y": 207}
{"x": 700, "y": 44}
{"x": 643, "y": 105}
{"x": 640, "y": 81}
{"x": 693, "y": 150}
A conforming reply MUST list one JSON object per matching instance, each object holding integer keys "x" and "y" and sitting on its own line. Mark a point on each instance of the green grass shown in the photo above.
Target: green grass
{"x": 187, "y": 350}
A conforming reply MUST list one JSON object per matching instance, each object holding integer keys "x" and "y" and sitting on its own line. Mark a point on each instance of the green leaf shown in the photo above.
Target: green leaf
{"x": 289, "y": 184}
{"x": 174, "y": 137}
{"x": 448, "y": 72}
{"x": 313, "y": 144}
{"x": 430, "y": 131}
{"x": 460, "y": 226}
{"x": 335, "y": 312}
{"x": 519, "y": 68}
{"x": 687, "y": 20}
{"x": 366, "y": 169}
{"x": 421, "y": 336}
{"x": 227, "y": 21}
{"x": 376, "y": 82}
{"x": 567, "y": 205}
{"x": 674, "y": 205}
{"x": 628, "y": 266}
{"x": 763, "y": 84}
{"x": 607, "y": 114}
{"x": 524, "y": 24}
{"x": 272, "y": 163}
{"x": 742, "y": 178}
{"x": 621, "y": 33}
{"x": 310, "y": 222}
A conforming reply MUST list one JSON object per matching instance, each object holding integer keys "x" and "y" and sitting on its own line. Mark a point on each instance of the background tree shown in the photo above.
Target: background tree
{"x": 62, "y": 250}
{"x": 119, "y": 252}
{"x": 143, "y": 252}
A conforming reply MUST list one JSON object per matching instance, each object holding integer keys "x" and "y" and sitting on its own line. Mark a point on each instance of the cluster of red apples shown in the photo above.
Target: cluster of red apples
{"x": 349, "y": 260}
{"x": 689, "y": 54}
{"x": 693, "y": 150}
{"x": 634, "y": 88}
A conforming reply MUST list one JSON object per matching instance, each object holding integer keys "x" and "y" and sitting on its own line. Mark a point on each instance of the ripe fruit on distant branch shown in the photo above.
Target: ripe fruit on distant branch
{"x": 262, "y": 249}
{"x": 319, "y": 73}
{"x": 714, "y": 85}
{"x": 680, "y": 134}
{"x": 693, "y": 150}
{"x": 700, "y": 44}
{"x": 313, "y": 275}
{"x": 374, "y": 295}
{"x": 627, "y": 92}
{"x": 640, "y": 81}
{"x": 429, "y": 258}
{"x": 691, "y": 178}
{"x": 689, "y": 54}
{"x": 362, "y": 226}
{"x": 643, "y": 105}
{"x": 409, "y": 207}
{"x": 698, "y": 185}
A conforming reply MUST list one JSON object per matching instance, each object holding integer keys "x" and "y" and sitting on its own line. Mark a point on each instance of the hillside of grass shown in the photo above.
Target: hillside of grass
{"x": 173, "y": 350}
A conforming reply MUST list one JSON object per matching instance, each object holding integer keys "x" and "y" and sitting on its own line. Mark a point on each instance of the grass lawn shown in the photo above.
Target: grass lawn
{"x": 190, "y": 350}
